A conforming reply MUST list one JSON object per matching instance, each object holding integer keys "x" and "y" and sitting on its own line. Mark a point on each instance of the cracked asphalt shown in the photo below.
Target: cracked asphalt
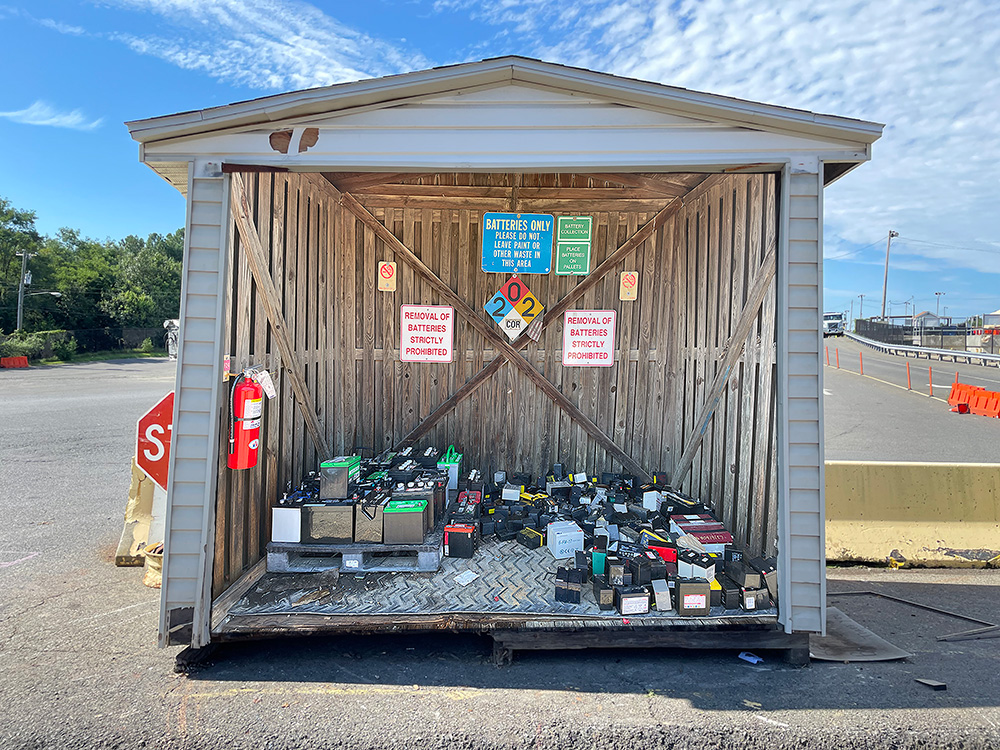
{"x": 79, "y": 667}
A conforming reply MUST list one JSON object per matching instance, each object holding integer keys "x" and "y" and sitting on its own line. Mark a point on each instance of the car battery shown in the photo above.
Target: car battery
{"x": 405, "y": 471}
{"x": 661, "y": 595}
{"x": 564, "y": 539}
{"x": 418, "y": 489}
{"x": 767, "y": 567}
{"x": 384, "y": 460}
{"x": 336, "y": 475}
{"x": 530, "y": 538}
{"x": 715, "y": 593}
{"x": 403, "y": 455}
{"x": 753, "y": 599}
{"x": 428, "y": 458}
{"x": 450, "y": 463}
{"x": 569, "y": 583}
{"x": 368, "y": 517}
{"x": 604, "y": 593}
{"x": 694, "y": 597}
{"x": 631, "y": 600}
{"x": 686, "y": 560}
{"x": 440, "y": 483}
{"x": 703, "y": 567}
{"x": 616, "y": 571}
{"x": 463, "y": 512}
{"x": 403, "y": 521}
{"x": 731, "y": 594}
{"x": 460, "y": 540}
{"x": 743, "y": 575}
{"x": 331, "y": 522}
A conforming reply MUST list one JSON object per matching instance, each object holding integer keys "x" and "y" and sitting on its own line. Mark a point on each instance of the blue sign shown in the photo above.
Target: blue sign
{"x": 517, "y": 243}
{"x": 498, "y": 306}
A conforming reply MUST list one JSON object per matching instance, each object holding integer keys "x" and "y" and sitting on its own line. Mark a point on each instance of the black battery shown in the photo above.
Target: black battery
{"x": 731, "y": 595}
{"x": 642, "y": 570}
{"x": 530, "y": 538}
{"x": 753, "y": 599}
{"x": 460, "y": 540}
{"x": 404, "y": 471}
{"x": 329, "y": 523}
{"x": 569, "y": 582}
{"x": 604, "y": 593}
{"x": 428, "y": 458}
{"x": 743, "y": 575}
{"x": 631, "y": 600}
{"x": 487, "y": 526}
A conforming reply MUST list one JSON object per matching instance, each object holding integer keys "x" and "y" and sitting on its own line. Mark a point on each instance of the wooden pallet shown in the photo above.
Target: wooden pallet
{"x": 358, "y": 558}
{"x": 795, "y": 646}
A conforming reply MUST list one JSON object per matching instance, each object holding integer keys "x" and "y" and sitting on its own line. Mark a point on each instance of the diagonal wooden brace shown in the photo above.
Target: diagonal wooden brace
{"x": 254, "y": 254}
{"x": 509, "y": 352}
{"x": 728, "y": 357}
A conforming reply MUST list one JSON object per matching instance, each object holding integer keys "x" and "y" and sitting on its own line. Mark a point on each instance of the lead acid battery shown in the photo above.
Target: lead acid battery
{"x": 403, "y": 522}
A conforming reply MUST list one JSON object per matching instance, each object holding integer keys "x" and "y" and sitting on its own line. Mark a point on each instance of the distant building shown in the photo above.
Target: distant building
{"x": 926, "y": 319}
{"x": 992, "y": 320}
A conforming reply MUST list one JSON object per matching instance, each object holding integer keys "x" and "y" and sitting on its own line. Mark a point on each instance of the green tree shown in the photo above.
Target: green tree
{"x": 17, "y": 232}
{"x": 147, "y": 285}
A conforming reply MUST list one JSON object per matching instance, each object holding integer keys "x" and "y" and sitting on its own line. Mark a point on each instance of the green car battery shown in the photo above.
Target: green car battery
{"x": 336, "y": 474}
{"x": 403, "y": 522}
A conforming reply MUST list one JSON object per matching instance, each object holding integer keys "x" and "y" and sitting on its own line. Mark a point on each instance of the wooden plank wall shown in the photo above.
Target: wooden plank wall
{"x": 719, "y": 243}
{"x": 694, "y": 274}
{"x": 296, "y": 222}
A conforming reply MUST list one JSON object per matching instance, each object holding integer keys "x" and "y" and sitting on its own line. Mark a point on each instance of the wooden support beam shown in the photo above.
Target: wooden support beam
{"x": 492, "y": 191}
{"x": 626, "y": 249}
{"x": 670, "y": 186}
{"x": 349, "y": 181}
{"x": 254, "y": 254}
{"x": 727, "y": 360}
{"x": 496, "y": 339}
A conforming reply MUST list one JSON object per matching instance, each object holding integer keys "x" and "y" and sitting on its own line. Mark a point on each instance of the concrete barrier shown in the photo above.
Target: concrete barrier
{"x": 928, "y": 514}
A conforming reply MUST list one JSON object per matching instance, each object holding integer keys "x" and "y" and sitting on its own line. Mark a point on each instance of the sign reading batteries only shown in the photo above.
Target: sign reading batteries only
{"x": 517, "y": 243}
{"x": 513, "y": 307}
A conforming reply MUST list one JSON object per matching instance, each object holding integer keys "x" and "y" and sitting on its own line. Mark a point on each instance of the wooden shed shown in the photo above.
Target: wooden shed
{"x": 292, "y": 200}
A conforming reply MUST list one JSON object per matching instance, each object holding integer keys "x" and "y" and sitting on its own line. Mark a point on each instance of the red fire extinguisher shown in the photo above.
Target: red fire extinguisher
{"x": 246, "y": 407}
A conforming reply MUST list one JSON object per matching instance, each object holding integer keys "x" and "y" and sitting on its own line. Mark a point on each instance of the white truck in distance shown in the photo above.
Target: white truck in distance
{"x": 833, "y": 324}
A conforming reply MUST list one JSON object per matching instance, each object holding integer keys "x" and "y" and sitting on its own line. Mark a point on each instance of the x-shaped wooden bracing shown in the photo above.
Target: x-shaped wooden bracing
{"x": 509, "y": 351}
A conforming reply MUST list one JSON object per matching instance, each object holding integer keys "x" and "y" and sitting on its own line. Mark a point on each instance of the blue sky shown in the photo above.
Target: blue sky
{"x": 76, "y": 69}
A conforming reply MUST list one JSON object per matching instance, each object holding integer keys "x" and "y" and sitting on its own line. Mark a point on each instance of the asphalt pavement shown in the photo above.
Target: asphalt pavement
{"x": 876, "y": 418}
{"x": 79, "y": 667}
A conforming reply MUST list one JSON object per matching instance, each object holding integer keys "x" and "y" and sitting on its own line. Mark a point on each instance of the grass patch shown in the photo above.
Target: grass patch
{"x": 103, "y": 356}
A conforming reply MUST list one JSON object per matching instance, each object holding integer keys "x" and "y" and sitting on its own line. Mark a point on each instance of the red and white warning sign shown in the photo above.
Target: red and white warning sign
{"x": 426, "y": 333}
{"x": 386, "y": 276}
{"x": 628, "y": 288}
{"x": 152, "y": 440}
{"x": 588, "y": 338}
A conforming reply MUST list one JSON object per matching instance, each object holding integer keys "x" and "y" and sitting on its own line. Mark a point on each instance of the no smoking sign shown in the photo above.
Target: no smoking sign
{"x": 628, "y": 288}
{"x": 386, "y": 276}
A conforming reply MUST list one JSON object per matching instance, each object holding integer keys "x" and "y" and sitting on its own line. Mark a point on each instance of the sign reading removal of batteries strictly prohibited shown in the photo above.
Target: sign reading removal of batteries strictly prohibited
{"x": 513, "y": 307}
{"x": 426, "y": 333}
{"x": 588, "y": 338}
{"x": 517, "y": 243}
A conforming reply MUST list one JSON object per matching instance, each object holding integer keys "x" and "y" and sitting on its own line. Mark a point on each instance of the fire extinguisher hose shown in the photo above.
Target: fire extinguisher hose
{"x": 233, "y": 419}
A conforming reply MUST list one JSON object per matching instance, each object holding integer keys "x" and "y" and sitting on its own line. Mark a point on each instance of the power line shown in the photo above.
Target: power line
{"x": 950, "y": 247}
{"x": 852, "y": 253}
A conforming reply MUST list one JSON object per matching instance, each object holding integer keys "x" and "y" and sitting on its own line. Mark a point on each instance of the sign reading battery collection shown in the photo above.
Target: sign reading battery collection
{"x": 513, "y": 307}
{"x": 588, "y": 338}
{"x": 573, "y": 245}
{"x": 517, "y": 243}
{"x": 426, "y": 333}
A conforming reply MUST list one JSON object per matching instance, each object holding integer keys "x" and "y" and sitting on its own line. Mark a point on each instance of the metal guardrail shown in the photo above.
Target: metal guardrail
{"x": 918, "y": 352}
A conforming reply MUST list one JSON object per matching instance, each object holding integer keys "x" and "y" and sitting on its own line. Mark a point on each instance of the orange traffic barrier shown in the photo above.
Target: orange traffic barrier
{"x": 974, "y": 399}
{"x": 993, "y": 404}
{"x": 978, "y": 403}
{"x": 13, "y": 362}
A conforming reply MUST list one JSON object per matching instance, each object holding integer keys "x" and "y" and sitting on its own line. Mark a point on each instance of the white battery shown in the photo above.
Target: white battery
{"x": 563, "y": 539}
{"x": 286, "y": 525}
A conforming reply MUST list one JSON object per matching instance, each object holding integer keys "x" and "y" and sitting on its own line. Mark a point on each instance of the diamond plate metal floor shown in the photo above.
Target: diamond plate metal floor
{"x": 510, "y": 580}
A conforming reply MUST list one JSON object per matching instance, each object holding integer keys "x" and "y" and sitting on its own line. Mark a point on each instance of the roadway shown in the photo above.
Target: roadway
{"x": 875, "y": 417}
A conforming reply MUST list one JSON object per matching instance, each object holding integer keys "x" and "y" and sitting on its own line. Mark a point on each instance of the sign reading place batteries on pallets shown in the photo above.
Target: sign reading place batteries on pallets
{"x": 517, "y": 243}
{"x": 513, "y": 307}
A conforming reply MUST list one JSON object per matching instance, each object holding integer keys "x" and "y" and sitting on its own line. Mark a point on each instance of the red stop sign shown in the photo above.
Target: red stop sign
{"x": 152, "y": 444}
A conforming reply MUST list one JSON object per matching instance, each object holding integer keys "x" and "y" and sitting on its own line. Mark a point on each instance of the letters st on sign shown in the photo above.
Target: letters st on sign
{"x": 517, "y": 243}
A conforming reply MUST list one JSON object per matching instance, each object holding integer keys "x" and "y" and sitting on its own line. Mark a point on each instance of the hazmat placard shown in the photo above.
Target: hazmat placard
{"x": 573, "y": 234}
{"x": 513, "y": 307}
{"x": 588, "y": 338}
{"x": 517, "y": 243}
{"x": 426, "y": 333}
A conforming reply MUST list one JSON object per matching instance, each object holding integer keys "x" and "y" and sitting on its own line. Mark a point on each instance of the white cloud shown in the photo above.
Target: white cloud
{"x": 62, "y": 28}
{"x": 41, "y": 113}
{"x": 927, "y": 69}
{"x": 265, "y": 44}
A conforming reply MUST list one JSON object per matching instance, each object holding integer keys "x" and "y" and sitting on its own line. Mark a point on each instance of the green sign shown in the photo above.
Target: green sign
{"x": 573, "y": 245}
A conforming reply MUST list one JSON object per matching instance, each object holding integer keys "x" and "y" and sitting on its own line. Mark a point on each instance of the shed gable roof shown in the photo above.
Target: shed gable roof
{"x": 410, "y": 87}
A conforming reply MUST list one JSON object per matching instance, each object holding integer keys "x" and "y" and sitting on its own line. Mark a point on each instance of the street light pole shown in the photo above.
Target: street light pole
{"x": 861, "y": 312}
{"x": 885, "y": 279}
{"x": 24, "y": 255}
{"x": 937, "y": 310}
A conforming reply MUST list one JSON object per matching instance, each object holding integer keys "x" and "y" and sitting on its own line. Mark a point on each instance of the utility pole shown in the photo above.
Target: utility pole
{"x": 885, "y": 279}
{"x": 852, "y": 315}
{"x": 861, "y": 312}
{"x": 24, "y": 255}
{"x": 939, "y": 295}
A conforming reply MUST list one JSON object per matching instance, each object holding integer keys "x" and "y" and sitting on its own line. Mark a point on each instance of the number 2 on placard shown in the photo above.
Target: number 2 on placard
{"x": 500, "y": 306}
{"x": 527, "y": 314}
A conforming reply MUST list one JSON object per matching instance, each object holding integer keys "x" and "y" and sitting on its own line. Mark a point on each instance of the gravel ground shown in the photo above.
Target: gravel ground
{"x": 79, "y": 667}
